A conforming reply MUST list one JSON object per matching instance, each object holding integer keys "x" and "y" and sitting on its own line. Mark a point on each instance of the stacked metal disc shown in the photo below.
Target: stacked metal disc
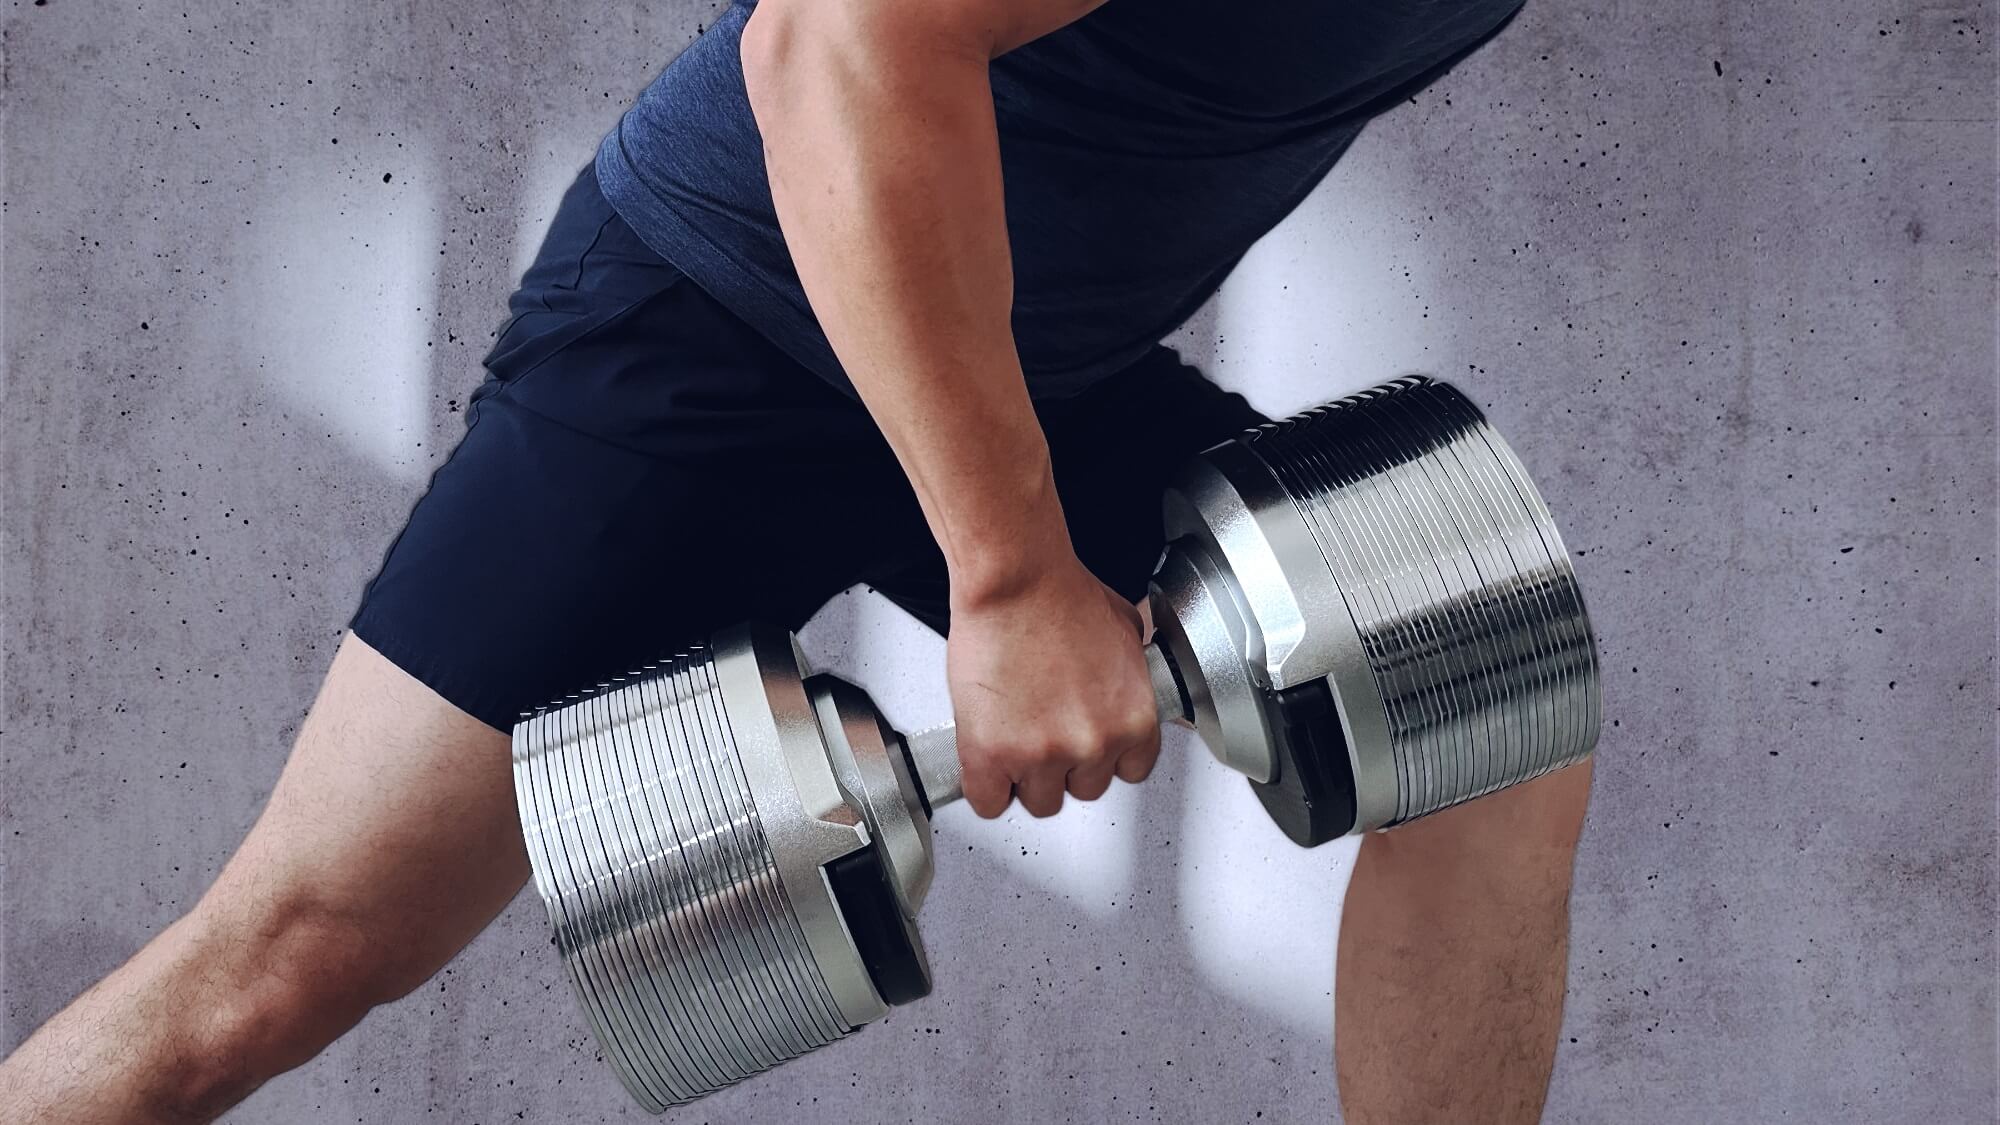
{"x": 665, "y": 895}
{"x": 1457, "y": 581}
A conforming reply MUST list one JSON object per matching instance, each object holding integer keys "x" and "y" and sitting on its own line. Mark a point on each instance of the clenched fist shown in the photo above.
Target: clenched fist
{"x": 1050, "y": 692}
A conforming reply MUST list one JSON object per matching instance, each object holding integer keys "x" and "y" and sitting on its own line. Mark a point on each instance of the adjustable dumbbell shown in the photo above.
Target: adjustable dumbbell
{"x": 1365, "y": 609}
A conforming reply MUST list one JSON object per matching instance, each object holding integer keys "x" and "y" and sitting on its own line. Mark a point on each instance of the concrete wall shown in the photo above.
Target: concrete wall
{"x": 1725, "y": 272}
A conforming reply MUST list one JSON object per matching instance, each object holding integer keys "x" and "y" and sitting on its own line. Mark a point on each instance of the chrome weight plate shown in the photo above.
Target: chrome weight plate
{"x": 1452, "y": 573}
{"x": 655, "y": 809}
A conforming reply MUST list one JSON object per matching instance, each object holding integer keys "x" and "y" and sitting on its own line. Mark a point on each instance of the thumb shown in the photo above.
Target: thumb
{"x": 1127, "y": 611}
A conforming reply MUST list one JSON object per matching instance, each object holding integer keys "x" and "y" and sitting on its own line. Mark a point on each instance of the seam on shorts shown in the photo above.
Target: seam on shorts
{"x": 570, "y": 286}
{"x": 583, "y": 259}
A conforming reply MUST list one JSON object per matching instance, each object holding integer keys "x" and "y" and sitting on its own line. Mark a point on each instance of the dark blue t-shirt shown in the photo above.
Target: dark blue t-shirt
{"x": 1143, "y": 149}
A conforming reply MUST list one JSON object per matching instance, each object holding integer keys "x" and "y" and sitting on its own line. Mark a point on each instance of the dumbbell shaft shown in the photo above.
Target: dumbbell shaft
{"x": 934, "y": 752}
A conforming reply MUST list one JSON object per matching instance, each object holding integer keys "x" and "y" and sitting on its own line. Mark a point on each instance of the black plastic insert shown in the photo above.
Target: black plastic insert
{"x": 1312, "y": 795}
{"x": 882, "y": 933}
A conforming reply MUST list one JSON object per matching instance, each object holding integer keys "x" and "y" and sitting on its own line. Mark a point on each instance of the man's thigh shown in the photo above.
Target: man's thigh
{"x": 389, "y": 842}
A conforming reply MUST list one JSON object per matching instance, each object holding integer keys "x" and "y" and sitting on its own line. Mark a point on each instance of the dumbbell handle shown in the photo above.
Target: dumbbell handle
{"x": 934, "y": 752}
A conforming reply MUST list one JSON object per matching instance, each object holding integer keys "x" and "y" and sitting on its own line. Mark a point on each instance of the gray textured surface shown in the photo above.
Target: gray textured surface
{"x": 1725, "y": 273}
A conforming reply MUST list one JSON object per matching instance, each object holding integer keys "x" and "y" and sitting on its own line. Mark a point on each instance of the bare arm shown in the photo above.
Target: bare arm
{"x": 879, "y": 139}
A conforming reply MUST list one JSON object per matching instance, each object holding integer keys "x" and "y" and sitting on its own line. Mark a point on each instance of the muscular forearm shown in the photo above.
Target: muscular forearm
{"x": 884, "y": 162}
{"x": 884, "y": 165}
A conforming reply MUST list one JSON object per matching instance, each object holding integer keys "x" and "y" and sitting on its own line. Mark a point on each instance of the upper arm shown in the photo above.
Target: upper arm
{"x": 986, "y": 28}
{"x": 1006, "y": 24}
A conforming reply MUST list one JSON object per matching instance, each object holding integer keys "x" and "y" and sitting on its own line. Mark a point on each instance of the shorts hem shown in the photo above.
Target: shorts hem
{"x": 454, "y": 687}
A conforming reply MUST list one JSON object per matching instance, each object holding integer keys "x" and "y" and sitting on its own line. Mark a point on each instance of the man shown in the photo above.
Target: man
{"x": 859, "y": 290}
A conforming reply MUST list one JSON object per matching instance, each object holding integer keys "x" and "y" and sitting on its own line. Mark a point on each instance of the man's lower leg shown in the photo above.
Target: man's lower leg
{"x": 1454, "y": 949}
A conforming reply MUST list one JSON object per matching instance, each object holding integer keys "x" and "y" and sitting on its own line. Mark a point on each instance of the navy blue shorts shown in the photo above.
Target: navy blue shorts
{"x": 640, "y": 468}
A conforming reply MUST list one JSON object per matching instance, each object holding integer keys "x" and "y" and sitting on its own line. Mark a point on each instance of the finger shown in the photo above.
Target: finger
{"x": 1041, "y": 792}
{"x": 1136, "y": 763}
{"x": 987, "y": 790}
{"x": 1088, "y": 783}
{"x": 1131, "y": 615}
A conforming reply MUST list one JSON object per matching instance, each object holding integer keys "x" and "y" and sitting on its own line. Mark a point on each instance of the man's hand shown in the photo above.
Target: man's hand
{"x": 1049, "y": 687}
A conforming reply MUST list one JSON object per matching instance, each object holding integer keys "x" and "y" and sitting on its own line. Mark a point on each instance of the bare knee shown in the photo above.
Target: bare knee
{"x": 1517, "y": 840}
{"x": 280, "y": 976}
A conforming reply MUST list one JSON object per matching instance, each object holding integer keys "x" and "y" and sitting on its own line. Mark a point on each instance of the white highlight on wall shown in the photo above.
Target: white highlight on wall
{"x": 1333, "y": 300}
{"x": 1261, "y": 912}
{"x": 338, "y": 286}
{"x": 552, "y": 165}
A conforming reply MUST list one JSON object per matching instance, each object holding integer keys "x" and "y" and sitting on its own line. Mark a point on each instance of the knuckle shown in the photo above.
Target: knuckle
{"x": 1056, "y": 750}
{"x": 1143, "y": 722}
{"x": 1083, "y": 751}
{"x": 1098, "y": 739}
